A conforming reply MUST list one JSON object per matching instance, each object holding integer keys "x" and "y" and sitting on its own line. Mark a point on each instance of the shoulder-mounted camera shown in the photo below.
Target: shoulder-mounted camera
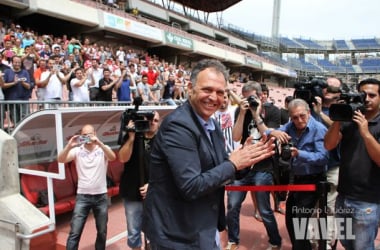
{"x": 347, "y": 104}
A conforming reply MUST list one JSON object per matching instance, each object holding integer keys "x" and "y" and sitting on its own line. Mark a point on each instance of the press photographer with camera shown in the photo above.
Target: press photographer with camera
{"x": 91, "y": 158}
{"x": 358, "y": 187}
{"x": 131, "y": 189}
{"x": 302, "y": 140}
{"x": 321, "y": 107}
{"x": 248, "y": 118}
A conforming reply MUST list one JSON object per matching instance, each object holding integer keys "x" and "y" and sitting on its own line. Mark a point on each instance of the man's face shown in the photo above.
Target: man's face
{"x": 155, "y": 122}
{"x": 16, "y": 63}
{"x": 264, "y": 96}
{"x": 372, "y": 100}
{"x": 299, "y": 116}
{"x": 144, "y": 80}
{"x": 225, "y": 103}
{"x": 79, "y": 74}
{"x": 328, "y": 96}
{"x": 208, "y": 93}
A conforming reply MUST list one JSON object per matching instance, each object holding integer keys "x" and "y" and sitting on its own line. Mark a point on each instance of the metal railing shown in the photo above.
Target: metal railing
{"x": 12, "y": 112}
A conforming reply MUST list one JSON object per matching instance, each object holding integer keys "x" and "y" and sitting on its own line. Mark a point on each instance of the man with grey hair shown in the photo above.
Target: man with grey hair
{"x": 304, "y": 136}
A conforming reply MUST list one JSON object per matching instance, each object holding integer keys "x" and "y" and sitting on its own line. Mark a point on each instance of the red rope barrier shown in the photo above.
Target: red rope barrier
{"x": 308, "y": 187}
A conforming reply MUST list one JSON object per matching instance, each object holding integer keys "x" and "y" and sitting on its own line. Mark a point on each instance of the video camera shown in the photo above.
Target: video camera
{"x": 309, "y": 89}
{"x": 347, "y": 104}
{"x": 140, "y": 118}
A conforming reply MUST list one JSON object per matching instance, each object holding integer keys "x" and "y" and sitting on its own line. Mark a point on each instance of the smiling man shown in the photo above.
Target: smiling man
{"x": 189, "y": 167}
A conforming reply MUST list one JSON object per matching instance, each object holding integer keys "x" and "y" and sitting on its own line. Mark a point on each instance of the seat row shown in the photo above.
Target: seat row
{"x": 34, "y": 188}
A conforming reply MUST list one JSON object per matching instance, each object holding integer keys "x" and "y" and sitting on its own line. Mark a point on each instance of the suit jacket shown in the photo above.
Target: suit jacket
{"x": 185, "y": 201}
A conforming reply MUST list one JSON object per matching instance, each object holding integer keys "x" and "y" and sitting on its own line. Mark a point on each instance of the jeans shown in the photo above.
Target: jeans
{"x": 134, "y": 215}
{"x": 236, "y": 198}
{"x": 84, "y": 203}
{"x": 365, "y": 221}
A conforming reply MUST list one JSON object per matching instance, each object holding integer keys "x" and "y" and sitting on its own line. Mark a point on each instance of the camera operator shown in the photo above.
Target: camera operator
{"x": 132, "y": 191}
{"x": 303, "y": 136}
{"x": 321, "y": 107}
{"x": 248, "y": 118}
{"x": 358, "y": 187}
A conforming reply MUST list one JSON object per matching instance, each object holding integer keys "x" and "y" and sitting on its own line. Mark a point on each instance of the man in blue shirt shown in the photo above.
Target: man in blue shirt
{"x": 308, "y": 164}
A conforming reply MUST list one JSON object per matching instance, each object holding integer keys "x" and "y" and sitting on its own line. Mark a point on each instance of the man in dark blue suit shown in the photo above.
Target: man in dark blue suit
{"x": 184, "y": 207}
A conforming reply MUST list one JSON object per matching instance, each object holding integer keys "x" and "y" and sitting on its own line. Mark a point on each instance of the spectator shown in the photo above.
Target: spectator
{"x": 46, "y": 52}
{"x": 106, "y": 85}
{"x": 97, "y": 73}
{"x": 2, "y": 34}
{"x": 308, "y": 164}
{"x": 79, "y": 86}
{"x": 28, "y": 40}
{"x": 184, "y": 206}
{"x": 52, "y": 80}
{"x": 123, "y": 86}
{"x": 131, "y": 188}
{"x": 17, "y": 86}
{"x": 248, "y": 120}
{"x": 42, "y": 67}
{"x": 358, "y": 198}
{"x": 143, "y": 90}
{"x": 91, "y": 159}
{"x": 169, "y": 87}
{"x": 153, "y": 73}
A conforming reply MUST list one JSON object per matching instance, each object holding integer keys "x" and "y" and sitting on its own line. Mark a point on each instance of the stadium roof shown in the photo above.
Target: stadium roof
{"x": 208, "y": 5}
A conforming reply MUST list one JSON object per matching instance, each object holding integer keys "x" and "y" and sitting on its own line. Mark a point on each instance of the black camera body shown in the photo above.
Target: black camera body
{"x": 286, "y": 152}
{"x": 308, "y": 90}
{"x": 348, "y": 103}
{"x": 253, "y": 102}
{"x": 140, "y": 118}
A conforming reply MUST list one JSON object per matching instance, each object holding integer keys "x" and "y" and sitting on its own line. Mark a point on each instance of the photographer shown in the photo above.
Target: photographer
{"x": 91, "y": 158}
{"x": 358, "y": 187}
{"x": 302, "y": 137}
{"x": 248, "y": 118}
{"x": 132, "y": 191}
{"x": 331, "y": 95}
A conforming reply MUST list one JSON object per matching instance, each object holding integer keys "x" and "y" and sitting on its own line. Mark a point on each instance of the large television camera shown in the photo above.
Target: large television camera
{"x": 140, "y": 118}
{"x": 309, "y": 89}
{"x": 347, "y": 104}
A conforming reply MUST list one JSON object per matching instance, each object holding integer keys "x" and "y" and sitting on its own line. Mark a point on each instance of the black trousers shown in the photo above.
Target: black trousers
{"x": 301, "y": 205}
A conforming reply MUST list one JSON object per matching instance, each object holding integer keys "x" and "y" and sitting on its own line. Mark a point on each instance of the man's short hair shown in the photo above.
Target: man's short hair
{"x": 369, "y": 81}
{"x": 250, "y": 86}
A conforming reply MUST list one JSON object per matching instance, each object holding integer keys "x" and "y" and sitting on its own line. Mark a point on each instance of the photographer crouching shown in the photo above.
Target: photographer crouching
{"x": 302, "y": 138}
{"x": 141, "y": 129}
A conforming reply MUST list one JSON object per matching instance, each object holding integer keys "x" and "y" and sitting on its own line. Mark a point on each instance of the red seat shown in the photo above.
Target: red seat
{"x": 31, "y": 185}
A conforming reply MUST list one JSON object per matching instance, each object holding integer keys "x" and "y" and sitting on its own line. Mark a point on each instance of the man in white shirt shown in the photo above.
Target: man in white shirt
{"x": 80, "y": 85}
{"x": 91, "y": 158}
{"x": 52, "y": 80}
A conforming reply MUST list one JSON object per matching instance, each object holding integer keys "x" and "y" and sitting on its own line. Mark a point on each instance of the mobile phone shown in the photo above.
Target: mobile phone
{"x": 83, "y": 139}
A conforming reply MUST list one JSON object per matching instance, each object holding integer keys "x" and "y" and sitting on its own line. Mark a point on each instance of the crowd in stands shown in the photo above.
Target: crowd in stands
{"x": 84, "y": 70}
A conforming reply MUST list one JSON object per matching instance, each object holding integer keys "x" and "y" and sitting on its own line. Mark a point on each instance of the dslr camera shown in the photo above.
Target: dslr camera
{"x": 253, "y": 102}
{"x": 309, "y": 89}
{"x": 347, "y": 104}
{"x": 286, "y": 152}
